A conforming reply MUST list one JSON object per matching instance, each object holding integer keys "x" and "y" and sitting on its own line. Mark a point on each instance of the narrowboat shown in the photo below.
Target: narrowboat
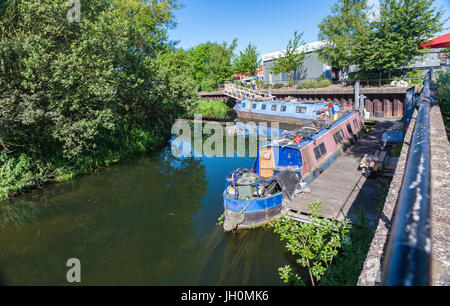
{"x": 285, "y": 167}
{"x": 283, "y": 111}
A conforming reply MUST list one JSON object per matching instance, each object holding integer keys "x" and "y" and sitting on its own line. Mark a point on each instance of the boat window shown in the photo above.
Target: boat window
{"x": 274, "y": 107}
{"x": 263, "y": 107}
{"x": 242, "y": 105}
{"x": 283, "y": 108}
{"x": 320, "y": 151}
{"x": 339, "y": 136}
{"x": 349, "y": 128}
{"x": 254, "y": 106}
{"x": 301, "y": 110}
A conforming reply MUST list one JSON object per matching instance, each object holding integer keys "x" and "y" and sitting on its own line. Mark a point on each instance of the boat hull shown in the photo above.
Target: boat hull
{"x": 242, "y": 214}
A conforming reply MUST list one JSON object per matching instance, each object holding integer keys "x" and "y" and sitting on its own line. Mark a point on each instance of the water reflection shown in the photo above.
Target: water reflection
{"x": 149, "y": 221}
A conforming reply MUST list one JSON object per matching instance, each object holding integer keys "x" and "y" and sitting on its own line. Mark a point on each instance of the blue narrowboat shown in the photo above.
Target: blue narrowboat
{"x": 285, "y": 167}
{"x": 285, "y": 112}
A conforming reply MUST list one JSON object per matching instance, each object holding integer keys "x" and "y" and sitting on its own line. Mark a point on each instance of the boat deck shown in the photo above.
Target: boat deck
{"x": 342, "y": 189}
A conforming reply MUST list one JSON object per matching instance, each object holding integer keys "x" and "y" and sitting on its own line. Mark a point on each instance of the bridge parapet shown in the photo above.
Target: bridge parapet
{"x": 410, "y": 245}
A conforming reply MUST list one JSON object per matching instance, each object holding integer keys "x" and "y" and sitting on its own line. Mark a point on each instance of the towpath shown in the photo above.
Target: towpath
{"x": 342, "y": 189}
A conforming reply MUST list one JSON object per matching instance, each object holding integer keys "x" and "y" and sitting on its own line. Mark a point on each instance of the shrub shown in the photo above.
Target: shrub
{"x": 443, "y": 95}
{"x": 278, "y": 85}
{"x": 414, "y": 74}
{"x": 315, "y": 244}
{"x": 319, "y": 83}
{"x": 213, "y": 109}
{"x": 207, "y": 87}
{"x": 82, "y": 95}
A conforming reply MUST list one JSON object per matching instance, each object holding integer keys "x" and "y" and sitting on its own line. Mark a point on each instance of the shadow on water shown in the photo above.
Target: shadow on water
{"x": 244, "y": 257}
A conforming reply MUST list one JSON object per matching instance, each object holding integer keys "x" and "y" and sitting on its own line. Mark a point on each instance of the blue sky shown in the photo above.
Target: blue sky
{"x": 268, "y": 24}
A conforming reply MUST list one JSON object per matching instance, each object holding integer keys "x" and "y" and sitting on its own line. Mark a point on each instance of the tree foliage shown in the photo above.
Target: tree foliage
{"x": 247, "y": 61}
{"x": 211, "y": 63}
{"x": 315, "y": 244}
{"x": 292, "y": 59}
{"x": 341, "y": 29}
{"x": 393, "y": 40}
{"x": 74, "y": 96}
{"x": 384, "y": 42}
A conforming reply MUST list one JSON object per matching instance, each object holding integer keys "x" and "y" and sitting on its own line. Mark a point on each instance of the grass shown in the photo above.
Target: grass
{"x": 214, "y": 110}
{"x": 319, "y": 83}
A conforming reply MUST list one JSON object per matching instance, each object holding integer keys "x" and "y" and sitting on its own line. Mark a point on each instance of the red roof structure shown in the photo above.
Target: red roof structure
{"x": 438, "y": 42}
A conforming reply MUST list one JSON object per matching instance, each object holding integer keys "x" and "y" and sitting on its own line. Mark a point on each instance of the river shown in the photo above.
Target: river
{"x": 146, "y": 221}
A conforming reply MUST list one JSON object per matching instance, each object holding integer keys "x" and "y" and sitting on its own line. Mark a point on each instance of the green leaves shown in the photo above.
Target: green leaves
{"x": 315, "y": 244}
{"x": 385, "y": 42}
{"x": 292, "y": 59}
{"x": 75, "y": 96}
{"x": 342, "y": 30}
{"x": 247, "y": 61}
{"x": 211, "y": 63}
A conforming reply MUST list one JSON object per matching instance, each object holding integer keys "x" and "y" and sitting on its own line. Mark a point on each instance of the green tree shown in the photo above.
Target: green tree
{"x": 395, "y": 35}
{"x": 292, "y": 59}
{"x": 75, "y": 96}
{"x": 315, "y": 244}
{"x": 211, "y": 63}
{"x": 341, "y": 30}
{"x": 247, "y": 61}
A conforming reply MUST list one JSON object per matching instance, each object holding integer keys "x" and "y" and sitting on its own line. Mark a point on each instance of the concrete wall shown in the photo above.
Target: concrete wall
{"x": 313, "y": 68}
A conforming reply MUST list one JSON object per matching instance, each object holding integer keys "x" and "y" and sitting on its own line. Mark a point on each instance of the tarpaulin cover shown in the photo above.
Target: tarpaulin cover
{"x": 392, "y": 136}
{"x": 438, "y": 42}
{"x": 289, "y": 183}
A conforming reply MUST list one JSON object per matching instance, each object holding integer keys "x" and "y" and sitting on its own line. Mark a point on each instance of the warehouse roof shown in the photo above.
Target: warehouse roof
{"x": 311, "y": 47}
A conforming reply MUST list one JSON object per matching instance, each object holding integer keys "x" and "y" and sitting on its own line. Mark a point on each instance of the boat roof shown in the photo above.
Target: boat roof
{"x": 315, "y": 104}
{"x": 306, "y": 141}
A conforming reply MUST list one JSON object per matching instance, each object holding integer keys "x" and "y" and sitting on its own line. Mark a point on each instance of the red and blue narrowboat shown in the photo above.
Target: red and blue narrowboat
{"x": 285, "y": 167}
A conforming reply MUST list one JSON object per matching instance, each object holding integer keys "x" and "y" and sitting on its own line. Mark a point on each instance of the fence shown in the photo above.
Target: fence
{"x": 408, "y": 256}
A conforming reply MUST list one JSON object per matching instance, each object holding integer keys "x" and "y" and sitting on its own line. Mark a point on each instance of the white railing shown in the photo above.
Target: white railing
{"x": 241, "y": 93}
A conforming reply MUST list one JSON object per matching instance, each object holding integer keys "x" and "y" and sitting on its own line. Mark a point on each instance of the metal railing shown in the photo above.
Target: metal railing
{"x": 408, "y": 256}
{"x": 242, "y": 93}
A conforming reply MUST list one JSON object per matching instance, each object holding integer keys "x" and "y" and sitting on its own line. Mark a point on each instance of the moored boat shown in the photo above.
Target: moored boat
{"x": 298, "y": 113}
{"x": 285, "y": 167}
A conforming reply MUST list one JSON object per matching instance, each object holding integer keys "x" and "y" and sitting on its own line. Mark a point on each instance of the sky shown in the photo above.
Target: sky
{"x": 268, "y": 24}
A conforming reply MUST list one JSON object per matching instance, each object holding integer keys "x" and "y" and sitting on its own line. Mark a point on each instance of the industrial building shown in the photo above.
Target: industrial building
{"x": 314, "y": 68}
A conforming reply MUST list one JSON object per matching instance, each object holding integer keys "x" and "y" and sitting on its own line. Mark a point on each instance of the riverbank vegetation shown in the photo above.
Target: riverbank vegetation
{"x": 333, "y": 253}
{"x": 215, "y": 110}
{"x": 443, "y": 95}
{"x": 315, "y": 244}
{"x": 76, "y": 96}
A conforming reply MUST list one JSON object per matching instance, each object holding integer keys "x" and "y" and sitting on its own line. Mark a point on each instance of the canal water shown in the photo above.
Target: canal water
{"x": 145, "y": 221}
